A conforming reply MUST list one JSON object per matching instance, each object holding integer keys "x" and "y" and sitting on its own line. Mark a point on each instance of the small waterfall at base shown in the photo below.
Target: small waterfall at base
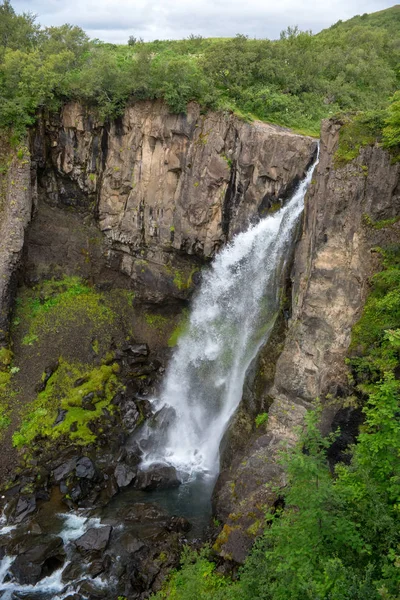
{"x": 231, "y": 317}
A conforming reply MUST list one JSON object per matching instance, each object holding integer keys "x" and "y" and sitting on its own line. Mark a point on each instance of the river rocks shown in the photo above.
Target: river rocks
{"x": 156, "y": 477}
{"x": 137, "y": 351}
{"x": 38, "y": 557}
{"x": 124, "y": 475}
{"x": 143, "y": 511}
{"x": 94, "y": 540}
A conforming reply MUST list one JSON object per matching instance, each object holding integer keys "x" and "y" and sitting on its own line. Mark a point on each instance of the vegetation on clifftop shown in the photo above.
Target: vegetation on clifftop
{"x": 295, "y": 81}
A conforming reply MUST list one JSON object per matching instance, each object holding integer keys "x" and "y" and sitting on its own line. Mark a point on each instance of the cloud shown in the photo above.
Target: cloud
{"x": 116, "y": 20}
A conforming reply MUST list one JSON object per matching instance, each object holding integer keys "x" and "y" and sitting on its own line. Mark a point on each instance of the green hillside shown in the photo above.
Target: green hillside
{"x": 295, "y": 81}
{"x": 388, "y": 19}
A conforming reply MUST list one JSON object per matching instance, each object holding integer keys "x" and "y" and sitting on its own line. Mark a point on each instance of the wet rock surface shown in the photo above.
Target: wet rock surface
{"x": 132, "y": 550}
{"x": 157, "y": 476}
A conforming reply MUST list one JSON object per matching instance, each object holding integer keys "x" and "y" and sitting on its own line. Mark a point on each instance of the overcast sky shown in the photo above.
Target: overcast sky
{"x": 116, "y": 20}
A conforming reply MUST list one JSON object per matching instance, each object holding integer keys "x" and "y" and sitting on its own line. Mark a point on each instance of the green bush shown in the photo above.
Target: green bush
{"x": 294, "y": 81}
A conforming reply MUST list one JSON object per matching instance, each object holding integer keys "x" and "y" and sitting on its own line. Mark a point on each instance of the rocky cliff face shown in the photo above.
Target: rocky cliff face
{"x": 333, "y": 261}
{"x": 168, "y": 190}
{"x": 16, "y": 191}
{"x": 135, "y": 208}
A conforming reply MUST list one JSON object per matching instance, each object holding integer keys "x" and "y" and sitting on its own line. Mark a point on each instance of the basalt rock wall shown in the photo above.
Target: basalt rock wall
{"x": 336, "y": 255}
{"x": 166, "y": 190}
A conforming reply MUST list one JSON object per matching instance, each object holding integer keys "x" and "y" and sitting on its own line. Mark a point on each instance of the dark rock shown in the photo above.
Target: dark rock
{"x": 85, "y": 468}
{"x": 179, "y": 524}
{"x": 26, "y": 505}
{"x": 87, "y": 401}
{"x": 61, "y": 414}
{"x": 96, "y": 567}
{"x": 38, "y": 557}
{"x": 81, "y": 381}
{"x": 94, "y": 540}
{"x": 74, "y": 427}
{"x": 129, "y": 415}
{"x": 74, "y": 570}
{"x": 130, "y": 543}
{"x": 48, "y": 372}
{"x": 118, "y": 398}
{"x": 137, "y": 349}
{"x": 144, "y": 407}
{"x": 156, "y": 477}
{"x": 143, "y": 511}
{"x": 65, "y": 469}
{"x": 124, "y": 475}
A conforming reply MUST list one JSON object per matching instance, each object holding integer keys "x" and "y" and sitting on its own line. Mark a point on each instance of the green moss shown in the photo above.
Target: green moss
{"x": 275, "y": 206}
{"x": 261, "y": 419}
{"x": 62, "y": 392}
{"x": 4, "y": 418}
{"x": 156, "y": 321}
{"x": 182, "y": 279}
{"x": 227, "y": 160}
{"x": 255, "y": 528}
{"x": 223, "y": 537}
{"x": 6, "y": 357}
{"x": 58, "y": 303}
{"x": 7, "y": 394}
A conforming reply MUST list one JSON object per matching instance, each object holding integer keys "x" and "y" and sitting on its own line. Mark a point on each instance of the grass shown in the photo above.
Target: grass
{"x": 356, "y": 132}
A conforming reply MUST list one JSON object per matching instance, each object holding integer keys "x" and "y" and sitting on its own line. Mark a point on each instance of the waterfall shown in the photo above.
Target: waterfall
{"x": 231, "y": 317}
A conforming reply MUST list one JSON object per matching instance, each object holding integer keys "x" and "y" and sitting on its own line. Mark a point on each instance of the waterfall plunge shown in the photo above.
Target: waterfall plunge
{"x": 231, "y": 317}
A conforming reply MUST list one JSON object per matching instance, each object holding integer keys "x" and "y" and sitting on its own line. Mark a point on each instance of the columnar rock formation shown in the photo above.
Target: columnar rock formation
{"x": 168, "y": 189}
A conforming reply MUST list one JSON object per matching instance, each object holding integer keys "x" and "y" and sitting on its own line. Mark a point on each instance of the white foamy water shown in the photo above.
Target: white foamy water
{"x": 74, "y": 526}
{"x": 231, "y": 317}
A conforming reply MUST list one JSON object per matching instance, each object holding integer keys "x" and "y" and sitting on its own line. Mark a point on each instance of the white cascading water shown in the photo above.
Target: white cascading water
{"x": 231, "y": 317}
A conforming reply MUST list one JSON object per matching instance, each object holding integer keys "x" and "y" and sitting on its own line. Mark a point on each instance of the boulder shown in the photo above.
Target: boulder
{"x": 124, "y": 475}
{"x": 94, "y": 540}
{"x": 158, "y": 476}
{"x": 65, "y": 469}
{"x": 26, "y": 505}
{"x": 61, "y": 414}
{"x": 38, "y": 557}
{"x": 85, "y": 468}
{"x": 129, "y": 415}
